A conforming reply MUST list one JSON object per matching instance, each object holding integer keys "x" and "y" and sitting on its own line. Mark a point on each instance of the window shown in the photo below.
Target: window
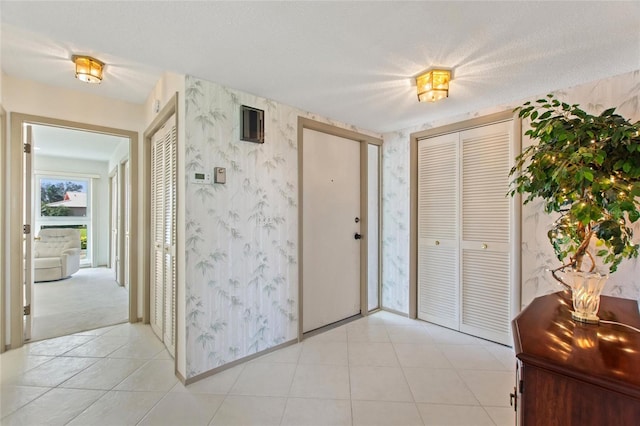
{"x": 62, "y": 197}
{"x": 65, "y": 202}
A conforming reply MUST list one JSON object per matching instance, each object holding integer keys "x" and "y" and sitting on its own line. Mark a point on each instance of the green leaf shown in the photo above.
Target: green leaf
{"x": 618, "y": 164}
{"x": 627, "y": 205}
{"x": 588, "y": 175}
{"x": 599, "y": 157}
{"x": 545, "y": 115}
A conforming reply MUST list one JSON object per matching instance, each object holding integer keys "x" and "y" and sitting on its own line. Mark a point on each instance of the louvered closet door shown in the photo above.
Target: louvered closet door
{"x": 163, "y": 224}
{"x": 438, "y": 296}
{"x": 157, "y": 229}
{"x": 170, "y": 237}
{"x": 485, "y": 266}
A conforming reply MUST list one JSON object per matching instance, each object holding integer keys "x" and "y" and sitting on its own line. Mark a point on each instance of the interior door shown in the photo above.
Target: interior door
{"x": 169, "y": 236}
{"x": 438, "y": 292}
{"x": 486, "y": 217}
{"x": 157, "y": 230}
{"x": 331, "y": 220}
{"x": 115, "y": 263}
{"x": 126, "y": 198}
{"x": 163, "y": 228}
{"x": 464, "y": 238}
{"x": 28, "y": 236}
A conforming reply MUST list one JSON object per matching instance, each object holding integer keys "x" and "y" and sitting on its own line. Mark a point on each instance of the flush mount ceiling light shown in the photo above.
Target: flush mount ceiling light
{"x": 88, "y": 69}
{"x": 433, "y": 85}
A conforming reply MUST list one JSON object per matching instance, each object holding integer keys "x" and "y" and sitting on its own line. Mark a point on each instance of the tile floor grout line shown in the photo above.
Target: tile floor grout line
{"x": 29, "y": 402}
{"x": 228, "y": 392}
{"x": 404, "y": 374}
{"x": 286, "y": 401}
{"x": 349, "y": 377}
{"x": 152, "y": 407}
{"x": 467, "y": 387}
{"x": 488, "y": 415}
{"x": 87, "y": 407}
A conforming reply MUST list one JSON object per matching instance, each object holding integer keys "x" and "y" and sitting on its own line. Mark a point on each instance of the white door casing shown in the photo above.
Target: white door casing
{"x": 29, "y": 221}
{"x": 373, "y": 228}
{"x": 331, "y": 204}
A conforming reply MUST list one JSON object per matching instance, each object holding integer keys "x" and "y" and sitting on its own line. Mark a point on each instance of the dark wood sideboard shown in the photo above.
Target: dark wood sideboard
{"x": 570, "y": 373}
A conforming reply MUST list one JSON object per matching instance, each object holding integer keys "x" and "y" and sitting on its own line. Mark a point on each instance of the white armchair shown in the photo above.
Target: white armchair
{"x": 56, "y": 254}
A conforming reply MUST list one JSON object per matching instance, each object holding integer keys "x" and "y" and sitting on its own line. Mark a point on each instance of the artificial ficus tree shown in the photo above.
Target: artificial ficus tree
{"x": 586, "y": 168}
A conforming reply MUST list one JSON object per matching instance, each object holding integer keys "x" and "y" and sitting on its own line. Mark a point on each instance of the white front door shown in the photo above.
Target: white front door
{"x": 331, "y": 219}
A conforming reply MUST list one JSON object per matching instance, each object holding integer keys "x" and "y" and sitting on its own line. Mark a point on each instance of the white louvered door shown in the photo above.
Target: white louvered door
{"x": 464, "y": 231}
{"x": 157, "y": 224}
{"x": 438, "y": 230}
{"x": 485, "y": 268}
{"x": 170, "y": 237}
{"x": 163, "y": 227}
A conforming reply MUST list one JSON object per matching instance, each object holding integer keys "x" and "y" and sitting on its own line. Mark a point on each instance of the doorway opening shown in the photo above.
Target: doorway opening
{"x": 68, "y": 281}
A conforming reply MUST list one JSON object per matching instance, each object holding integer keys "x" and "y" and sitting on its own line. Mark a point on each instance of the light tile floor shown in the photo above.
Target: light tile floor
{"x": 380, "y": 370}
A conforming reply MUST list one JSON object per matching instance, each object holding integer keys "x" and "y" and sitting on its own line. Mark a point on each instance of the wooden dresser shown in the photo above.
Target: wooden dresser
{"x": 570, "y": 373}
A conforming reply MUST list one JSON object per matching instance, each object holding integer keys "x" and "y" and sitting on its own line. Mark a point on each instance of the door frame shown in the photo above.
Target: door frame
{"x": 365, "y": 141}
{"x": 16, "y": 199}
{"x": 125, "y": 214}
{"x": 516, "y": 204}
{"x": 116, "y": 173}
{"x": 3, "y": 228}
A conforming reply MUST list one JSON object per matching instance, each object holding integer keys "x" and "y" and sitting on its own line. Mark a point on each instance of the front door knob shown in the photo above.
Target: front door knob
{"x": 357, "y": 236}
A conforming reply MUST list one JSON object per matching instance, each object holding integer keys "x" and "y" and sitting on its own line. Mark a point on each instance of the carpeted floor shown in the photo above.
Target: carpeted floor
{"x": 89, "y": 299}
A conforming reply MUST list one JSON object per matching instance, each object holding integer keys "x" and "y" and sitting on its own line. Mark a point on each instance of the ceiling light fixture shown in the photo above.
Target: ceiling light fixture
{"x": 433, "y": 85}
{"x": 88, "y": 69}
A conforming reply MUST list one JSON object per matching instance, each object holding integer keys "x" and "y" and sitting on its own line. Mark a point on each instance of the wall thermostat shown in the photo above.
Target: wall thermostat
{"x": 201, "y": 177}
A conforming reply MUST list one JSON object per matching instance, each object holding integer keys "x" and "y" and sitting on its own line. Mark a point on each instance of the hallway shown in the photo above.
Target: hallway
{"x": 87, "y": 300}
{"x": 380, "y": 370}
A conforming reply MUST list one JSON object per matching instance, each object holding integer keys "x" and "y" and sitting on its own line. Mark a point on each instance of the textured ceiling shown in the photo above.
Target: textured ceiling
{"x": 78, "y": 144}
{"x": 349, "y": 61}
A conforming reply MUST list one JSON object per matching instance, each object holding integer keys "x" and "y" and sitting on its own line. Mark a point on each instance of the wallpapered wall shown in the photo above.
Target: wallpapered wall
{"x": 621, "y": 91}
{"x": 241, "y": 237}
